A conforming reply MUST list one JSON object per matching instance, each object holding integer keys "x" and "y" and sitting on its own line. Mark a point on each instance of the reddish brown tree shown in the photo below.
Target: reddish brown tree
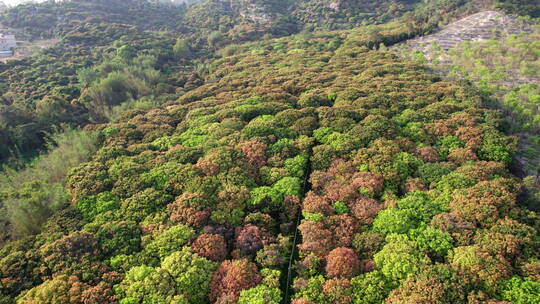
{"x": 343, "y": 227}
{"x": 365, "y": 209}
{"x": 301, "y": 301}
{"x": 483, "y": 170}
{"x": 73, "y": 253}
{"x": 471, "y": 136}
{"x": 101, "y": 293}
{"x": 413, "y": 184}
{"x": 367, "y": 265}
{"x": 317, "y": 204}
{"x": 226, "y": 231}
{"x": 368, "y": 243}
{"x": 211, "y": 246}
{"x": 319, "y": 179}
{"x": 342, "y": 192}
{"x": 460, "y": 229}
{"x": 316, "y": 238}
{"x": 231, "y": 278}
{"x": 250, "y": 238}
{"x": 254, "y": 152}
{"x": 482, "y": 266}
{"x": 368, "y": 183}
{"x": 190, "y": 209}
{"x": 341, "y": 170}
{"x": 481, "y": 297}
{"x": 507, "y": 237}
{"x": 437, "y": 284}
{"x": 427, "y": 154}
{"x": 485, "y": 202}
{"x": 462, "y": 155}
{"x": 532, "y": 270}
{"x": 207, "y": 166}
{"x": 342, "y": 262}
{"x": 337, "y": 290}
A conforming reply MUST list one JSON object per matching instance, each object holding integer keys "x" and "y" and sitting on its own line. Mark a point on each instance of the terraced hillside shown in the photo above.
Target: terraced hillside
{"x": 482, "y": 26}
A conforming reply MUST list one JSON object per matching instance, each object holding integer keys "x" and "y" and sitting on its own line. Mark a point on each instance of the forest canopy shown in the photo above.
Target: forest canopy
{"x": 233, "y": 152}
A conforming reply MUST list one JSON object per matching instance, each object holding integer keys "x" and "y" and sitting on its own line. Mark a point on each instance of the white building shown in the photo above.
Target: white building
{"x": 7, "y": 43}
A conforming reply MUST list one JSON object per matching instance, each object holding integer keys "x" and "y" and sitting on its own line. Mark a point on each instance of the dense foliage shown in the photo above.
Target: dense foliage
{"x": 196, "y": 169}
{"x": 42, "y": 92}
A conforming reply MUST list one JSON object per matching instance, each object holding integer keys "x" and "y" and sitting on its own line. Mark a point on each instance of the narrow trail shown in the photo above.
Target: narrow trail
{"x": 292, "y": 259}
{"x": 287, "y": 294}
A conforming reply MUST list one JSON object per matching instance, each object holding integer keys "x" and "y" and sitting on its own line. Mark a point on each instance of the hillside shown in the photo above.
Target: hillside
{"x": 482, "y": 26}
{"x": 90, "y": 32}
{"x": 256, "y": 152}
{"x": 499, "y": 53}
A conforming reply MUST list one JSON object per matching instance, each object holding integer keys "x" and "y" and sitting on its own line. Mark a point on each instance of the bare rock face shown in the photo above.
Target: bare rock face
{"x": 487, "y": 25}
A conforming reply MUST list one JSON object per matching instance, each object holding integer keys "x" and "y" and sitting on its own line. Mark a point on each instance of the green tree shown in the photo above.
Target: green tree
{"x": 313, "y": 290}
{"x": 181, "y": 49}
{"x": 144, "y": 284}
{"x": 121, "y": 237}
{"x": 447, "y": 144}
{"x": 261, "y": 294}
{"x": 297, "y": 165}
{"x": 289, "y": 186}
{"x": 169, "y": 241}
{"x": 191, "y": 273}
{"x": 434, "y": 242}
{"x": 371, "y": 288}
{"x": 400, "y": 258}
{"x": 520, "y": 290}
{"x": 394, "y": 220}
{"x": 126, "y": 52}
